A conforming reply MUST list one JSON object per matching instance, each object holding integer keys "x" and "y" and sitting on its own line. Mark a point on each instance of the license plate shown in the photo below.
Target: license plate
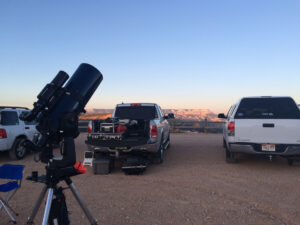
{"x": 268, "y": 148}
{"x": 107, "y": 136}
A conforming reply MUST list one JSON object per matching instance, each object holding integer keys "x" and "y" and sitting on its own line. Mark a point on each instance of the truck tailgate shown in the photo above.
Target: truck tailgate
{"x": 128, "y": 142}
{"x": 273, "y": 131}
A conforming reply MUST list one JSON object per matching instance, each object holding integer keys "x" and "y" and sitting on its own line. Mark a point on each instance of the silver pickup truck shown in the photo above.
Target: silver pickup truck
{"x": 137, "y": 128}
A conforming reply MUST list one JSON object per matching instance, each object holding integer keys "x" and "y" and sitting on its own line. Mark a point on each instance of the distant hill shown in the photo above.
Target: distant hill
{"x": 99, "y": 110}
{"x": 186, "y": 114}
{"x": 193, "y": 114}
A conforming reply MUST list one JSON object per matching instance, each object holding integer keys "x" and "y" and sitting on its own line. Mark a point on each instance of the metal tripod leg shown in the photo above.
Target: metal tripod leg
{"x": 48, "y": 206}
{"x": 37, "y": 205}
{"x": 81, "y": 203}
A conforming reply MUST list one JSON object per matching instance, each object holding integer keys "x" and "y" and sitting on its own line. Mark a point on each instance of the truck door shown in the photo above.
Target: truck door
{"x": 30, "y": 129}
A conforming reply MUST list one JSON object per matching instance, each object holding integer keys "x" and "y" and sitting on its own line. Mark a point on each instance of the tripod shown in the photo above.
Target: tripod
{"x": 56, "y": 113}
{"x": 51, "y": 180}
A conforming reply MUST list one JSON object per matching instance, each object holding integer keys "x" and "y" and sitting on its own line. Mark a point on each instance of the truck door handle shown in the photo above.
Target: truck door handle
{"x": 27, "y": 128}
{"x": 268, "y": 125}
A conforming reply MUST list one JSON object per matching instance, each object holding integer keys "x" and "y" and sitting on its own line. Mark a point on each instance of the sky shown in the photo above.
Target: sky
{"x": 179, "y": 54}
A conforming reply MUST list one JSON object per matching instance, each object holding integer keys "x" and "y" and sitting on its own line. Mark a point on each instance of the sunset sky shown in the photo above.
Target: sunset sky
{"x": 179, "y": 54}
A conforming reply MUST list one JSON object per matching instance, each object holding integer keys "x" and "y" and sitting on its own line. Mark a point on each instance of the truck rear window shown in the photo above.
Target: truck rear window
{"x": 9, "y": 118}
{"x": 136, "y": 112}
{"x": 267, "y": 108}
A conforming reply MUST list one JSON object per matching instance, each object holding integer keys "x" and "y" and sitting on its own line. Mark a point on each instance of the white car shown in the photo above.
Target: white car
{"x": 13, "y": 131}
{"x": 262, "y": 125}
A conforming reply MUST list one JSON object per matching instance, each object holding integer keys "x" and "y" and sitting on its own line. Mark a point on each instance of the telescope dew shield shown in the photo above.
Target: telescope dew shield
{"x": 78, "y": 91}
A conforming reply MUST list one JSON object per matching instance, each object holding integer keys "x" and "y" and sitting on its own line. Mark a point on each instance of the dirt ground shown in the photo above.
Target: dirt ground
{"x": 194, "y": 185}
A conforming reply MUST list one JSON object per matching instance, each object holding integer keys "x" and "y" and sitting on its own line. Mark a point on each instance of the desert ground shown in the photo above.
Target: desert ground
{"x": 194, "y": 185}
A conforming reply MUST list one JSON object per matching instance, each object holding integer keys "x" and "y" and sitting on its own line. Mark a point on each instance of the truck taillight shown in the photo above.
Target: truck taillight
{"x": 231, "y": 129}
{"x": 154, "y": 131}
{"x": 90, "y": 127}
{"x": 121, "y": 129}
{"x": 3, "y": 134}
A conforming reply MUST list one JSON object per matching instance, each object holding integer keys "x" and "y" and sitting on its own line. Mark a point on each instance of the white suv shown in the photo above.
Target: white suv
{"x": 13, "y": 131}
{"x": 262, "y": 125}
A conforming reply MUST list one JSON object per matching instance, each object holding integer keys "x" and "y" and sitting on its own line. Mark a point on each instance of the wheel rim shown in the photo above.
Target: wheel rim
{"x": 20, "y": 151}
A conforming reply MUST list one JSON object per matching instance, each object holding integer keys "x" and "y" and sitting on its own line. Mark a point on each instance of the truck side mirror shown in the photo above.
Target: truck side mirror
{"x": 169, "y": 116}
{"x": 222, "y": 116}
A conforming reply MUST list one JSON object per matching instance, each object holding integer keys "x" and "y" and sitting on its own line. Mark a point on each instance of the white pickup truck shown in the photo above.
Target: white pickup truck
{"x": 262, "y": 125}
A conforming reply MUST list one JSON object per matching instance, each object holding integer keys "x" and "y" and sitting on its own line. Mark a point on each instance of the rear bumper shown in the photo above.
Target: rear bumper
{"x": 253, "y": 148}
{"x": 151, "y": 148}
{"x": 3, "y": 145}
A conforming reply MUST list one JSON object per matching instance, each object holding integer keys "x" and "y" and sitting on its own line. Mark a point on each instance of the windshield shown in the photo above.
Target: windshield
{"x": 136, "y": 112}
{"x": 268, "y": 108}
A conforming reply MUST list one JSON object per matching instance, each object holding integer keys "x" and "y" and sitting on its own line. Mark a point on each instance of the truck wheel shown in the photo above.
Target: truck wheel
{"x": 18, "y": 151}
{"x": 158, "y": 157}
{"x": 231, "y": 157}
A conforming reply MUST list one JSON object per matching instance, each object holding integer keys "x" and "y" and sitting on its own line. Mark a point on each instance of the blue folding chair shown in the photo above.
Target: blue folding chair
{"x": 13, "y": 173}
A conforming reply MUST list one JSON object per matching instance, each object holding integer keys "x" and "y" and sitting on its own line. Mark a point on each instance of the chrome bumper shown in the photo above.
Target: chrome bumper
{"x": 3, "y": 145}
{"x": 153, "y": 147}
{"x": 249, "y": 149}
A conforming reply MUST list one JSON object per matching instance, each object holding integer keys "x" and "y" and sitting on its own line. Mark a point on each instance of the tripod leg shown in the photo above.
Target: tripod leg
{"x": 48, "y": 206}
{"x": 37, "y": 205}
{"x": 81, "y": 203}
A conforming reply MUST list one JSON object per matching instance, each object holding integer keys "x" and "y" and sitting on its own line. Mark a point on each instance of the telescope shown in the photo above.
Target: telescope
{"x": 56, "y": 113}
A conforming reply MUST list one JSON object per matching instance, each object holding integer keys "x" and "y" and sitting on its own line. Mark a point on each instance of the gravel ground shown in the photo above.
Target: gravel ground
{"x": 194, "y": 185}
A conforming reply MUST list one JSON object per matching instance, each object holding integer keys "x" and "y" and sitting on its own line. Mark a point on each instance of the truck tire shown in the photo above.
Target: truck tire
{"x": 158, "y": 157}
{"x": 18, "y": 151}
{"x": 231, "y": 157}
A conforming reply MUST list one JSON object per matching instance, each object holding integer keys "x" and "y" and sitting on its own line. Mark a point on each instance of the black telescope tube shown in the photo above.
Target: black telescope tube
{"x": 78, "y": 91}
